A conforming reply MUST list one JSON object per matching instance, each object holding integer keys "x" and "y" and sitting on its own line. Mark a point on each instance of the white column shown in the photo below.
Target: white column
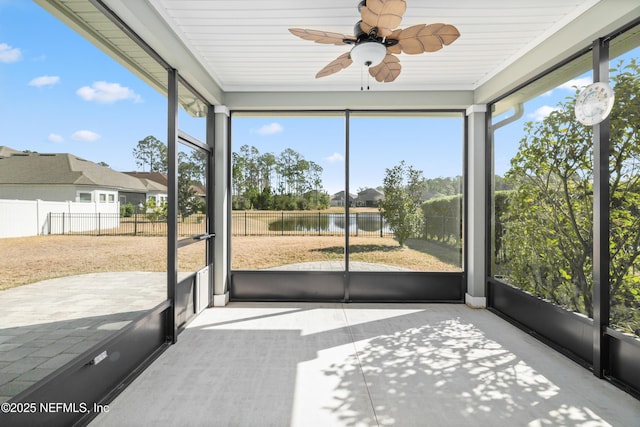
{"x": 476, "y": 209}
{"x": 221, "y": 202}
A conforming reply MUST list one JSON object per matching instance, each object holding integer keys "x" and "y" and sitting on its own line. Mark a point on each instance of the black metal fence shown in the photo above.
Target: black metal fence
{"x": 247, "y": 223}
{"x": 283, "y": 223}
{"x": 112, "y": 224}
{"x": 364, "y": 224}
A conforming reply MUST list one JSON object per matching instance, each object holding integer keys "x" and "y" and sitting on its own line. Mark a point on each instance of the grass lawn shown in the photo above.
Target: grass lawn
{"x": 258, "y": 252}
{"x": 32, "y": 259}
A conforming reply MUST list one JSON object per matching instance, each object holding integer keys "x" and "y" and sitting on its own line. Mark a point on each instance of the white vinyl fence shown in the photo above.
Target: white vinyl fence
{"x": 20, "y": 218}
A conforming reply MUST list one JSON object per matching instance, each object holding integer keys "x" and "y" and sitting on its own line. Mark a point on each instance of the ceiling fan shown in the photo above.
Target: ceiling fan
{"x": 375, "y": 40}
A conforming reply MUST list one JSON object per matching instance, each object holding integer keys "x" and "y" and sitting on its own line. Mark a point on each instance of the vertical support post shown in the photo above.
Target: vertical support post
{"x": 476, "y": 197}
{"x": 601, "y": 220}
{"x": 172, "y": 209}
{"x": 245, "y": 223}
{"x": 381, "y": 224}
{"x": 222, "y": 204}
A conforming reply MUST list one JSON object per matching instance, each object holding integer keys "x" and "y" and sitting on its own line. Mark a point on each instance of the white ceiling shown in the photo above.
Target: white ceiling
{"x": 246, "y": 46}
{"x": 240, "y": 53}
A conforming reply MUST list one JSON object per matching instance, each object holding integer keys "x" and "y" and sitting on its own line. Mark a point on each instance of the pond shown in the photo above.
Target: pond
{"x": 365, "y": 222}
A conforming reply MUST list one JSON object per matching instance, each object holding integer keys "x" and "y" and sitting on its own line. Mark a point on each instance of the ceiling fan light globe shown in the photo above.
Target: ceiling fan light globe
{"x": 368, "y": 53}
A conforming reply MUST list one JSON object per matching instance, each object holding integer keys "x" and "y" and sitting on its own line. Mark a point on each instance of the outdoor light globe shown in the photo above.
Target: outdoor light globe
{"x": 368, "y": 53}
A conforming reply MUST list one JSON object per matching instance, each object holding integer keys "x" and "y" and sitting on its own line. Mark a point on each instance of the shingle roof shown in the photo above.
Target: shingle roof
{"x": 37, "y": 168}
{"x": 158, "y": 177}
{"x": 8, "y": 151}
{"x": 153, "y": 185}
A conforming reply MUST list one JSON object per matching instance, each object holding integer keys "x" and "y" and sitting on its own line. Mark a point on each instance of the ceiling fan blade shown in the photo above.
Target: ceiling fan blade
{"x": 338, "y": 64}
{"x": 318, "y": 36}
{"x": 424, "y": 38}
{"x": 388, "y": 70}
{"x": 385, "y": 15}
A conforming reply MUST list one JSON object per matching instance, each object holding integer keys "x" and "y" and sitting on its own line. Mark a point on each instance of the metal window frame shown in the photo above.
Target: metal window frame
{"x": 413, "y": 286}
{"x": 610, "y": 354}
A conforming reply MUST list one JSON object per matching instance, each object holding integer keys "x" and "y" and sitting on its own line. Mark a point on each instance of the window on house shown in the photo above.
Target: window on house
{"x": 112, "y": 198}
{"x": 84, "y": 197}
{"x": 103, "y": 198}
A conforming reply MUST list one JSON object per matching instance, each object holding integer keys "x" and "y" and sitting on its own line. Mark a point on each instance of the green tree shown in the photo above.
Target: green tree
{"x": 152, "y": 153}
{"x": 266, "y": 181}
{"x": 188, "y": 200}
{"x": 548, "y": 217}
{"x": 403, "y": 187}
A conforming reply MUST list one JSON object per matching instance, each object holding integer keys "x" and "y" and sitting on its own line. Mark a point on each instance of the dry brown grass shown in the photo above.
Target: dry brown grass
{"x": 258, "y": 252}
{"x": 32, "y": 259}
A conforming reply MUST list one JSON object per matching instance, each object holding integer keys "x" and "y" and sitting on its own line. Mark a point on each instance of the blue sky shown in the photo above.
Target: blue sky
{"x": 62, "y": 94}
{"x": 59, "y": 93}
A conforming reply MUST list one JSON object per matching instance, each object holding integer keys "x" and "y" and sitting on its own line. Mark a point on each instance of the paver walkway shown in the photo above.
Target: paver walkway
{"x": 46, "y": 324}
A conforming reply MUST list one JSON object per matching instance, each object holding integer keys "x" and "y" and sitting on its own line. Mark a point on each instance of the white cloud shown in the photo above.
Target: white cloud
{"x": 107, "y": 93}
{"x": 9, "y": 54}
{"x": 335, "y": 157}
{"x": 85, "y": 135}
{"x": 579, "y": 83}
{"x": 270, "y": 129}
{"x": 542, "y": 112}
{"x": 44, "y": 81}
{"x": 54, "y": 137}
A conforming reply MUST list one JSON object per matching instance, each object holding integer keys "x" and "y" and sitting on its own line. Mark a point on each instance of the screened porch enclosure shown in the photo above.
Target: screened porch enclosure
{"x": 437, "y": 230}
{"x": 287, "y": 218}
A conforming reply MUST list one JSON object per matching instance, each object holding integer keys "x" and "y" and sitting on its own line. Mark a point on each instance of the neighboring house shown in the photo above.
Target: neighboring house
{"x": 65, "y": 177}
{"x": 369, "y": 198}
{"x": 156, "y": 184}
{"x": 199, "y": 190}
{"x": 338, "y": 199}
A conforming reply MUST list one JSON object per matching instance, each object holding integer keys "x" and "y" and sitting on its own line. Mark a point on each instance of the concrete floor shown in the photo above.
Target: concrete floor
{"x": 364, "y": 365}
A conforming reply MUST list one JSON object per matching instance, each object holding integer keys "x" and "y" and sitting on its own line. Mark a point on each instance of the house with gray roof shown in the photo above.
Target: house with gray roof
{"x": 369, "y": 197}
{"x": 156, "y": 184}
{"x": 339, "y": 199}
{"x": 65, "y": 177}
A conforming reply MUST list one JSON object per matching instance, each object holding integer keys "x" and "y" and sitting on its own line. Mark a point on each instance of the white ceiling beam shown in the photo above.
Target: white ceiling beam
{"x": 348, "y": 100}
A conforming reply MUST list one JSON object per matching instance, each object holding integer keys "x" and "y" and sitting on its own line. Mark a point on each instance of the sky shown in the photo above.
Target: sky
{"x": 61, "y": 94}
